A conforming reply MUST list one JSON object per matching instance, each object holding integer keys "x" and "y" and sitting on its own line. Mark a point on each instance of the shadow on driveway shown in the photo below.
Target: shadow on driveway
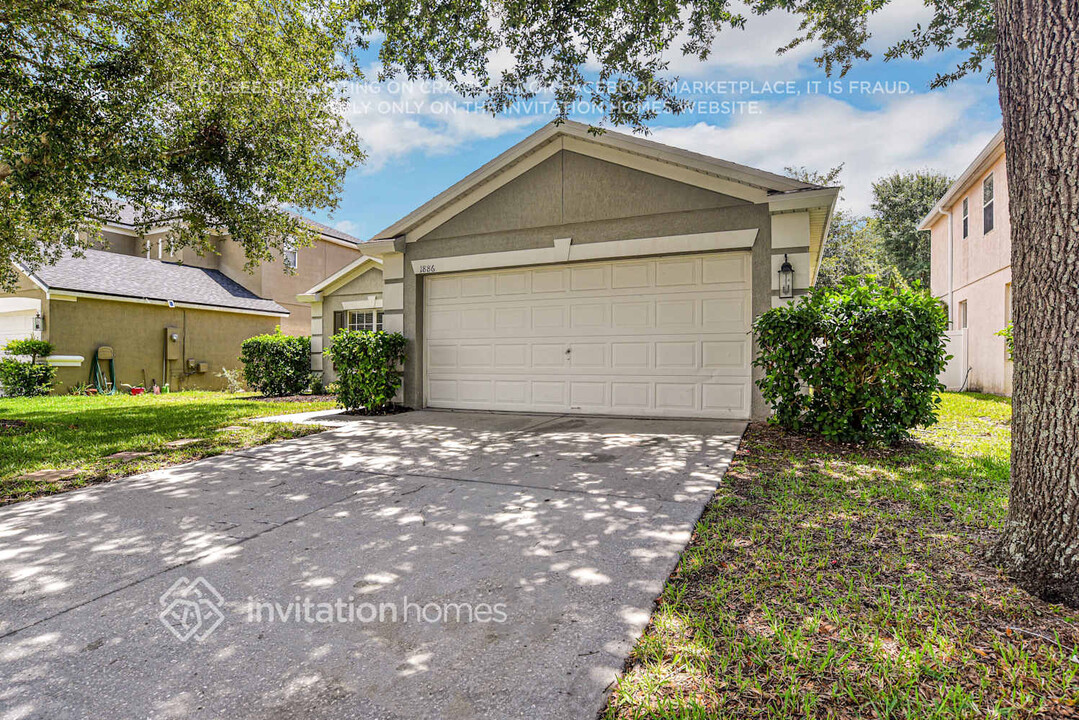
{"x": 428, "y": 564}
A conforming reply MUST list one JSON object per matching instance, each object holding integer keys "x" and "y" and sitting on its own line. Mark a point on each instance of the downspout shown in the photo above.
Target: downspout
{"x": 951, "y": 261}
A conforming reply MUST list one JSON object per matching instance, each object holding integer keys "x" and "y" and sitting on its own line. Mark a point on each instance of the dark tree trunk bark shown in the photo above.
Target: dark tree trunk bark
{"x": 1038, "y": 77}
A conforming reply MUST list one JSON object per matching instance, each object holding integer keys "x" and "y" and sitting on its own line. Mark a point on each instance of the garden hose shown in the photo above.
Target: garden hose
{"x": 97, "y": 377}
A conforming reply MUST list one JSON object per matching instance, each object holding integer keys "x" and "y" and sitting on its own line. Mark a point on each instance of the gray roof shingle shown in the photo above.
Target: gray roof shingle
{"x": 107, "y": 273}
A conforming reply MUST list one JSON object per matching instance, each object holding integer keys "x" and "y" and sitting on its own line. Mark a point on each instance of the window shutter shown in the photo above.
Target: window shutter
{"x": 338, "y": 321}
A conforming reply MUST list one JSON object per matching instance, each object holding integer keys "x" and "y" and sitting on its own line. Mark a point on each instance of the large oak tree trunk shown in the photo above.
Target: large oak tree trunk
{"x": 1038, "y": 76}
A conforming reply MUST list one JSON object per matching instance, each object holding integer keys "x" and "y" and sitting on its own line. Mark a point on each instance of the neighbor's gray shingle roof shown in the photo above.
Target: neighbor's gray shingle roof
{"x": 107, "y": 273}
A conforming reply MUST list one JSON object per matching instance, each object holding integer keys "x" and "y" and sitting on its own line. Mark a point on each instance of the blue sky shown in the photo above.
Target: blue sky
{"x": 882, "y": 117}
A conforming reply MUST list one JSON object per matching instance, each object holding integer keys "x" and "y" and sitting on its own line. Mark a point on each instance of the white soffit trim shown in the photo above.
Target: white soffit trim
{"x": 563, "y": 250}
{"x": 73, "y": 296}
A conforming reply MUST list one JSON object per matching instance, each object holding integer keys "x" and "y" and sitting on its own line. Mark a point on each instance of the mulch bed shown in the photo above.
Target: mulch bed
{"x": 293, "y": 398}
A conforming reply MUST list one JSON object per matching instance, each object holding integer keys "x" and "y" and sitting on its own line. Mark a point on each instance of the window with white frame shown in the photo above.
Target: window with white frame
{"x": 365, "y": 320}
{"x": 966, "y": 216}
{"x": 291, "y": 256}
{"x": 987, "y": 205}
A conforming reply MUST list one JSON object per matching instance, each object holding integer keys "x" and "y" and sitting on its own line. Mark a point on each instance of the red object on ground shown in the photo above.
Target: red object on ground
{"x": 137, "y": 391}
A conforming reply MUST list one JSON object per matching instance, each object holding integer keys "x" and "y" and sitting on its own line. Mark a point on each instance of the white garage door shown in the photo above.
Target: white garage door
{"x": 665, "y": 336}
{"x": 17, "y": 319}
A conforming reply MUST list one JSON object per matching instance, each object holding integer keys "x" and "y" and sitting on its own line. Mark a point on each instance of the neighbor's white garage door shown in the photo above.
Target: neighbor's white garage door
{"x": 17, "y": 319}
{"x": 665, "y": 336}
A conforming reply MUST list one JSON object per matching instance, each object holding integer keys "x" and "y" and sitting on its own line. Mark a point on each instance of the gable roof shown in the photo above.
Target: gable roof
{"x": 107, "y": 274}
{"x": 676, "y": 163}
{"x": 354, "y": 269}
{"x": 989, "y": 154}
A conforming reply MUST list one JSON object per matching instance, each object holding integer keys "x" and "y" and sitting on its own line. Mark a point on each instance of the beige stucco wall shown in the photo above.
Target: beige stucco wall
{"x": 357, "y": 289}
{"x": 589, "y": 200}
{"x": 136, "y": 332}
{"x": 981, "y": 270}
{"x": 270, "y": 280}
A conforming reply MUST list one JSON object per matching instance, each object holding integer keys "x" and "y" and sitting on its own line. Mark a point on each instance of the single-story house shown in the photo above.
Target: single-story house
{"x": 164, "y": 322}
{"x": 581, "y": 273}
{"x": 971, "y": 271}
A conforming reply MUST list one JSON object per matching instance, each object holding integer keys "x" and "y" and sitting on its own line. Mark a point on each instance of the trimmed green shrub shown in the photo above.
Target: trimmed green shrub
{"x": 857, "y": 363}
{"x": 20, "y": 378}
{"x": 276, "y": 364}
{"x": 367, "y": 368}
{"x": 29, "y": 347}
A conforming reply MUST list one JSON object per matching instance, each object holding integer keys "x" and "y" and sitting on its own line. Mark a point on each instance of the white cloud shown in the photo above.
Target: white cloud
{"x": 752, "y": 52}
{"x": 347, "y": 226}
{"x": 909, "y": 132}
{"x": 397, "y": 118}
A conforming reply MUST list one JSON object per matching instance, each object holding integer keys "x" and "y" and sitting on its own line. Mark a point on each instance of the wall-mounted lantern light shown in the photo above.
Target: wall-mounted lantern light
{"x": 39, "y": 323}
{"x": 786, "y": 278}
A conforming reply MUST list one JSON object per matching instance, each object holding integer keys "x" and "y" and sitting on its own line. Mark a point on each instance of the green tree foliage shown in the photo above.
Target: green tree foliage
{"x": 854, "y": 245}
{"x": 901, "y": 200}
{"x": 221, "y": 115}
{"x": 857, "y": 363}
{"x": 276, "y": 364}
{"x": 26, "y": 378}
{"x": 216, "y": 114}
{"x": 368, "y": 368}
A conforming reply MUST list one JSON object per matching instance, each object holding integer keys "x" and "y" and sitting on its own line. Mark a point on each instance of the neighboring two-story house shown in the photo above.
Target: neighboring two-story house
{"x": 971, "y": 270}
{"x": 175, "y": 319}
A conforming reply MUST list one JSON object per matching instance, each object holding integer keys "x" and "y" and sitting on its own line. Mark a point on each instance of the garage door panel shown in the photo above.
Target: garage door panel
{"x": 470, "y": 357}
{"x": 676, "y": 355}
{"x": 477, "y": 286}
{"x": 590, "y": 315}
{"x": 549, "y": 393}
{"x": 725, "y": 315}
{"x": 631, "y": 355}
{"x": 548, "y": 281}
{"x": 661, "y": 337}
{"x": 588, "y": 356}
{"x": 512, "y": 283}
{"x": 726, "y": 355}
{"x": 726, "y": 270}
{"x": 676, "y": 313}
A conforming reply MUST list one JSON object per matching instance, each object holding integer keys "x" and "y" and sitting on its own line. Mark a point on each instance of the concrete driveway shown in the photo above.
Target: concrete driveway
{"x": 423, "y": 565}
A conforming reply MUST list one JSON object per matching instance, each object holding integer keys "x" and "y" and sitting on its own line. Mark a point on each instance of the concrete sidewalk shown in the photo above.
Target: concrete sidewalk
{"x": 521, "y": 555}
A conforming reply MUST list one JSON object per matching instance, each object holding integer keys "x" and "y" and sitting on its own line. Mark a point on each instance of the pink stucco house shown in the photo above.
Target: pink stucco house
{"x": 972, "y": 273}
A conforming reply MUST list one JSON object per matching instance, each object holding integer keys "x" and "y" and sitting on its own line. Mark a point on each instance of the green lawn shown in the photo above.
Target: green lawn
{"x": 77, "y": 432}
{"x": 826, "y": 581}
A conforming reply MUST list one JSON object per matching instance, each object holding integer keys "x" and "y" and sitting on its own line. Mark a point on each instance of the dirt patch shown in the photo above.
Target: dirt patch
{"x": 13, "y": 427}
{"x": 392, "y": 410}
{"x": 293, "y": 398}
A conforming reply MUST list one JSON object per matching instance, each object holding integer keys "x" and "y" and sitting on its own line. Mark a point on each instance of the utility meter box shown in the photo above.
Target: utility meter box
{"x": 204, "y": 367}
{"x": 172, "y": 343}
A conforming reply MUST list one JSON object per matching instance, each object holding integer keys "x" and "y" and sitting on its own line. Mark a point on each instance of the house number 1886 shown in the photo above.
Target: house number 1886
{"x": 427, "y": 269}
